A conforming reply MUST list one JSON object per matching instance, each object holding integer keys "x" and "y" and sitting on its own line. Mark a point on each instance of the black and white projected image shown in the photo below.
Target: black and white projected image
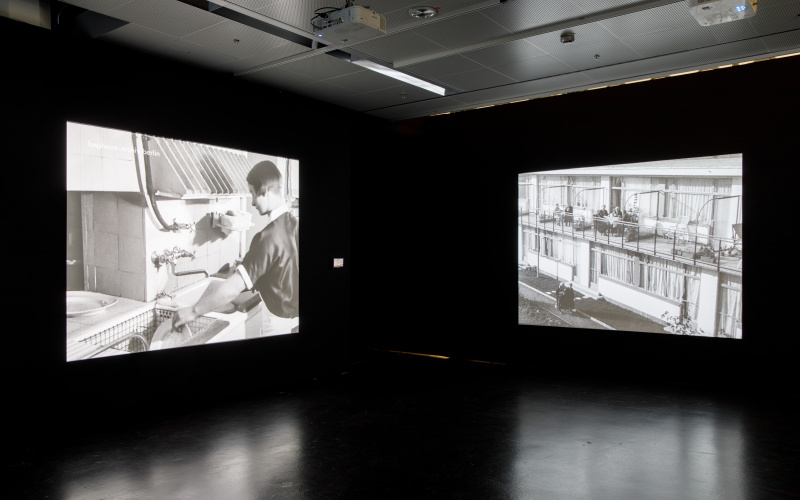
{"x": 642, "y": 247}
{"x": 172, "y": 243}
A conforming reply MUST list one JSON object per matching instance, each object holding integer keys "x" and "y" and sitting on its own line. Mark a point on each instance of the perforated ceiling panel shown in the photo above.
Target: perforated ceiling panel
{"x": 100, "y": 6}
{"x": 518, "y": 16}
{"x": 363, "y": 81}
{"x": 484, "y": 52}
{"x": 401, "y": 45}
{"x": 262, "y": 58}
{"x": 477, "y": 79}
{"x": 518, "y": 50}
{"x": 455, "y": 32}
{"x": 170, "y": 17}
{"x": 235, "y": 39}
{"x": 651, "y": 21}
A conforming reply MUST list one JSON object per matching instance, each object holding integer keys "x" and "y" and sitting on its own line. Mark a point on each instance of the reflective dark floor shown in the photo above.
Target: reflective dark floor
{"x": 410, "y": 427}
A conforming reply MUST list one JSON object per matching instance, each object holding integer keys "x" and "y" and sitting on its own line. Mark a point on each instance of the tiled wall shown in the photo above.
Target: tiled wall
{"x": 120, "y": 233}
{"x": 212, "y": 248}
{"x": 120, "y": 236}
{"x": 114, "y": 244}
{"x": 92, "y": 168}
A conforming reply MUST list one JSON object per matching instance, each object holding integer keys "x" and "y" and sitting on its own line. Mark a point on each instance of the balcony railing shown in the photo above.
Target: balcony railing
{"x": 665, "y": 238}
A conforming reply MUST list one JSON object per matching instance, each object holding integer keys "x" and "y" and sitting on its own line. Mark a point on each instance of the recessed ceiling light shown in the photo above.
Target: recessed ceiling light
{"x": 423, "y": 12}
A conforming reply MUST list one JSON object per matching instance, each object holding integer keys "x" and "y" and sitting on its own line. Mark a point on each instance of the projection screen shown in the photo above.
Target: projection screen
{"x": 645, "y": 247}
{"x": 173, "y": 243}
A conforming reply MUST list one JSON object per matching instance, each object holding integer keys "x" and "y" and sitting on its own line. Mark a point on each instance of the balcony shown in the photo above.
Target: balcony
{"x": 679, "y": 241}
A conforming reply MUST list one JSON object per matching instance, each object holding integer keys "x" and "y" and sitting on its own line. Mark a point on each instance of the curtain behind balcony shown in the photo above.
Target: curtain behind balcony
{"x": 550, "y": 192}
{"x": 664, "y": 279}
{"x": 687, "y": 196}
{"x": 584, "y": 195}
{"x": 616, "y": 264}
{"x": 730, "y": 306}
{"x": 692, "y": 297}
{"x": 631, "y": 189}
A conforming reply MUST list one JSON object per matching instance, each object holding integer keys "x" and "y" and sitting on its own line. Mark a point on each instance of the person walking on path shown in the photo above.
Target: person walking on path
{"x": 568, "y": 298}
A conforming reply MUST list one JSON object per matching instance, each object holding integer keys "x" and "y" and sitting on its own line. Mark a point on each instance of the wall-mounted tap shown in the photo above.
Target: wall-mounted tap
{"x": 182, "y": 226}
{"x": 170, "y": 256}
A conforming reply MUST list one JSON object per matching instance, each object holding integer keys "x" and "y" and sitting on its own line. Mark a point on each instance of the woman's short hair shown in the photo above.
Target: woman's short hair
{"x": 265, "y": 176}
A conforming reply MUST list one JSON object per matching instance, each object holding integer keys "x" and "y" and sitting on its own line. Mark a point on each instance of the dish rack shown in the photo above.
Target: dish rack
{"x": 136, "y": 333}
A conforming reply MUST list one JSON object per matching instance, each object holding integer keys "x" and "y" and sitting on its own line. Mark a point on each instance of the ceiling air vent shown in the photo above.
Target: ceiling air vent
{"x": 180, "y": 169}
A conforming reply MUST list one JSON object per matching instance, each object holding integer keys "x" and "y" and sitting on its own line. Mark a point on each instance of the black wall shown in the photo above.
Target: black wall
{"x": 49, "y": 79}
{"x": 457, "y": 199}
{"x": 429, "y": 206}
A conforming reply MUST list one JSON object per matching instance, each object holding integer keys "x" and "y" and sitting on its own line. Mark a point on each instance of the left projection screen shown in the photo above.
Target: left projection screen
{"x": 156, "y": 225}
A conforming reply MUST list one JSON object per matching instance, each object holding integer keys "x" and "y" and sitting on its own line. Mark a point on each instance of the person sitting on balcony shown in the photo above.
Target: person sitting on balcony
{"x": 568, "y": 215}
{"x": 616, "y": 217}
{"x": 600, "y": 220}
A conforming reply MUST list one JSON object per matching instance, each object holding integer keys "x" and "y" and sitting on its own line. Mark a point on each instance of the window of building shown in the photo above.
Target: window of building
{"x": 730, "y": 306}
{"x": 619, "y": 265}
{"x": 691, "y": 296}
{"x": 662, "y": 278}
{"x": 671, "y": 280}
{"x": 673, "y": 197}
{"x": 530, "y": 241}
{"x": 554, "y": 246}
{"x": 586, "y": 192}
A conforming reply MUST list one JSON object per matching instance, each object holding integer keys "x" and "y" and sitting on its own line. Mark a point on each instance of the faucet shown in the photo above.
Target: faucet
{"x": 170, "y": 256}
{"x": 184, "y": 273}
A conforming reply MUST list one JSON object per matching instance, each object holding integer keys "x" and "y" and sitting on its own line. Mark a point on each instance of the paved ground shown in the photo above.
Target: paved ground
{"x": 605, "y": 314}
{"x": 547, "y": 302}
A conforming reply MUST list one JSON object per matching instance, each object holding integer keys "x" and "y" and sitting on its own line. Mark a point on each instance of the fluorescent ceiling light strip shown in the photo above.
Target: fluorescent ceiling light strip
{"x": 397, "y": 75}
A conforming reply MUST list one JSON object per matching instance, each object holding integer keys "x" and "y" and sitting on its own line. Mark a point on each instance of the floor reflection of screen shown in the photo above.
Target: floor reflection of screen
{"x": 651, "y": 247}
{"x": 157, "y": 227}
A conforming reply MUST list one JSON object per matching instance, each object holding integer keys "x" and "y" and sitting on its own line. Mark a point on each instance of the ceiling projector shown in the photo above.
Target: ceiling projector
{"x": 350, "y": 24}
{"x": 709, "y": 12}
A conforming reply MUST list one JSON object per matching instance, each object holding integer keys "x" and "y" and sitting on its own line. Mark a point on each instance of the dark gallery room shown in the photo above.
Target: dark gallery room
{"x": 600, "y": 151}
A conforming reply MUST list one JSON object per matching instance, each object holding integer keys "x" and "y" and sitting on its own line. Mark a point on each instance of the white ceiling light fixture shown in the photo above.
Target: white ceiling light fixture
{"x": 398, "y": 75}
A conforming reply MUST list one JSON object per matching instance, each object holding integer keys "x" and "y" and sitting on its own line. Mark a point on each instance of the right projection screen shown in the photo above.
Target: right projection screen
{"x": 644, "y": 247}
